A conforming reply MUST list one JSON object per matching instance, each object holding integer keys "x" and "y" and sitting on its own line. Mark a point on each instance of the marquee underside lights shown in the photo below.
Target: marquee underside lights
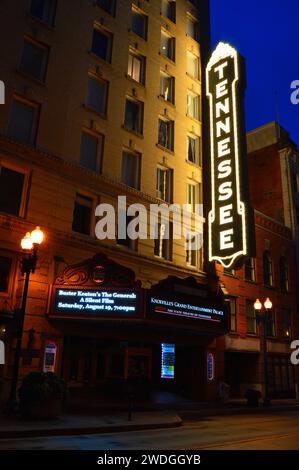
{"x": 228, "y": 218}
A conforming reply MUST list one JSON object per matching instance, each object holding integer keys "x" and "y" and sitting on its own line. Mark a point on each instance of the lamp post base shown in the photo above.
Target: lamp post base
{"x": 267, "y": 403}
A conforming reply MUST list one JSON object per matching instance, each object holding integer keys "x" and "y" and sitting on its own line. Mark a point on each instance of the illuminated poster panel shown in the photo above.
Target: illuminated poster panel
{"x": 210, "y": 367}
{"x": 228, "y": 240}
{"x": 167, "y": 361}
{"x": 50, "y": 357}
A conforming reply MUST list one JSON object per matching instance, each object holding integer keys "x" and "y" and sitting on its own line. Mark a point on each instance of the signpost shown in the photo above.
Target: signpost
{"x": 228, "y": 218}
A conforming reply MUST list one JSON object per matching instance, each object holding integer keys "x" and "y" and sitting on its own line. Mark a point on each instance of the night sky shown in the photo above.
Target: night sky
{"x": 266, "y": 32}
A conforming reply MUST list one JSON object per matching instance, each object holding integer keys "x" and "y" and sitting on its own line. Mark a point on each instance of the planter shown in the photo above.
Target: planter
{"x": 35, "y": 411}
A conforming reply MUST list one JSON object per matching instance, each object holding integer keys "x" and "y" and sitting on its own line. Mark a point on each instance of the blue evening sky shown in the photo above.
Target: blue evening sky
{"x": 266, "y": 32}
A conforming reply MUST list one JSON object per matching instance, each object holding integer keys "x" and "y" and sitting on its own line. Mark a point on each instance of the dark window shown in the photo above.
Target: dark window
{"x": 268, "y": 269}
{"x": 23, "y": 121}
{"x": 163, "y": 240}
{"x": 284, "y": 274}
{"x": 232, "y": 302}
{"x": 164, "y": 184}
{"x": 270, "y": 323}
{"x": 229, "y": 271}
{"x": 286, "y": 322}
{"x": 250, "y": 269}
{"x": 191, "y": 251}
{"x": 251, "y": 317}
{"x": 134, "y": 116}
{"x": 192, "y": 65}
{"x": 130, "y": 169}
{"x": 34, "y": 60}
{"x": 44, "y": 10}
{"x": 192, "y": 28}
{"x": 165, "y": 133}
{"x": 97, "y": 93}
{"x": 168, "y": 9}
{"x": 5, "y": 268}
{"x": 107, "y": 5}
{"x": 82, "y": 214}
{"x": 91, "y": 151}
{"x": 139, "y": 24}
{"x": 102, "y": 44}
{"x": 127, "y": 241}
{"x": 11, "y": 190}
{"x": 193, "y": 149}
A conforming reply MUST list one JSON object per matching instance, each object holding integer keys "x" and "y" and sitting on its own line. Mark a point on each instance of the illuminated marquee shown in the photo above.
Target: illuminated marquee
{"x": 227, "y": 220}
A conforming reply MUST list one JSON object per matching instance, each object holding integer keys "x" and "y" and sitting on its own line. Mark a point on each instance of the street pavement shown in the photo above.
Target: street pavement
{"x": 271, "y": 431}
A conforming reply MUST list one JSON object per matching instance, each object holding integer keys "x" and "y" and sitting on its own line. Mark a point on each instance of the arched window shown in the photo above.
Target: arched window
{"x": 284, "y": 274}
{"x": 268, "y": 269}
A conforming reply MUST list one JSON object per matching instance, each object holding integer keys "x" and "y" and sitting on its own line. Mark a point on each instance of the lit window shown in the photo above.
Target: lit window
{"x": 191, "y": 252}
{"x": 168, "y": 9}
{"x": 23, "y": 121}
{"x": 44, "y": 10}
{"x": 163, "y": 240}
{"x": 165, "y": 134}
{"x": 5, "y": 269}
{"x": 193, "y": 28}
{"x": 82, "y": 214}
{"x": 193, "y": 149}
{"x": 97, "y": 93}
{"x": 136, "y": 67}
{"x": 34, "y": 59}
{"x": 164, "y": 184}
{"x": 134, "y": 116}
{"x": 11, "y": 190}
{"x": 192, "y": 65}
{"x": 193, "y": 196}
{"x": 167, "y": 87}
{"x": 192, "y": 105}
{"x": 139, "y": 23}
{"x": 91, "y": 151}
{"x": 130, "y": 169}
{"x": 286, "y": 322}
{"x": 167, "y": 46}
{"x": 102, "y": 44}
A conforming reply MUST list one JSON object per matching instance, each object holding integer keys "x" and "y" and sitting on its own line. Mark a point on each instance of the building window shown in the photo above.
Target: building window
{"x": 164, "y": 184}
{"x": 102, "y": 44}
{"x": 229, "y": 271}
{"x": 191, "y": 251}
{"x": 11, "y": 190}
{"x": 34, "y": 59}
{"x": 232, "y": 302}
{"x": 192, "y": 105}
{"x": 5, "y": 269}
{"x": 127, "y": 241}
{"x": 139, "y": 23}
{"x": 108, "y": 6}
{"x": 43, "y": 10}
{"x": 193, "y": 149}
{"x": 23, "y": 121}
{"x": 168, "y": 9}
{"x": 192, "y": 196}
{"x": 134, "y": 116}
{"x": 136, "y": 67}
{"x": 270, "y": 323}
{"x": 166, "y": 133}
{"x": 167, "y": 87}
{"x": 130, "y": 169}
{"x": 97, "y": 94}
{"x": 251, "y": 318}
{"x": 268, "y": 269}
{"x": 192, "y": 28}
{"x": 82, "y": 214}
{"x": 91, "y": 151}
{"x": 163, "y": 240}
{"x": 286, "y": 322}
{"x": 284, "y": 274}
{"x": 167, "y": 46}
{"x": 193, "y": 65}
{"x": 250, "y": 269}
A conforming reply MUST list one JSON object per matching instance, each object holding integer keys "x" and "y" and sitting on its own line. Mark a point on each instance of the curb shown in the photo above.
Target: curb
{"x": 88, "y": 430}
{"x": 236, "y": 411}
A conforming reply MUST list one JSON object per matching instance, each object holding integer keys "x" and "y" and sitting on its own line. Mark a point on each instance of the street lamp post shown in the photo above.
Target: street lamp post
{"x": 262, "y": 317}
{"x": 30, "y": 244}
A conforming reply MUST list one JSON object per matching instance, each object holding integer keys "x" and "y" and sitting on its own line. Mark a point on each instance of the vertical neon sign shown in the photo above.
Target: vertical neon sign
{"x": 167, "y": 361}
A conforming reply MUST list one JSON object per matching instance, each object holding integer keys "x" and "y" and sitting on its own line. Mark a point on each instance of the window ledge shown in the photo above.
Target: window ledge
{"x": 97, "y": 113}
{"x": 137, "y": 35}
{"x": 98, "y": 58}
{"x": 165, "y": 149}
{"x": 169, "y": 20}
{"x": 30, "y": 77}
{"x": 193, "y": 78}
{"x": 250, "y": 282}
{"x": 137, "y": 134}
{"x": 128, "y": 77}
{"x": 193, "y": 39}
{"x": 171, "y": 61}
{"x": 196, "y": 165}
{"x": 48, "y": 26}
{"x": 198, "y": 121}
{"x": 161, "y": 98}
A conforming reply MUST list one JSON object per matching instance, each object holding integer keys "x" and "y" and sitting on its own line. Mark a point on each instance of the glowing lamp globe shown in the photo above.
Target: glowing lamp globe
{"x": 257, "y": 305}
{"x": 37, "y": 236}
{"x": 268, "y": 304}
{"x": 26, "y": 242}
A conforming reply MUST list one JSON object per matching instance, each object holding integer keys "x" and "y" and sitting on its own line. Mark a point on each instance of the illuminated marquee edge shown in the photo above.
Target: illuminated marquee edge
{"x": 222, "y": 51}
